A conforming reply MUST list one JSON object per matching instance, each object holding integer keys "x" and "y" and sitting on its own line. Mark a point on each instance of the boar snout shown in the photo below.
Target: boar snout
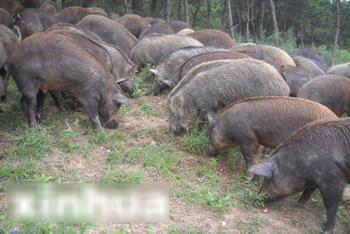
{"x": 113, "y": 124}
{"x": 212, "y": 151}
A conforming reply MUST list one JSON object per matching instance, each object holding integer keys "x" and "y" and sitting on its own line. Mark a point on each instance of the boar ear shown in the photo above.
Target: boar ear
{"x": 120, "y": 80}
{"x": 177, "y": 101}
{"x": 169, "y": 83}
{"x": 211, "y": 120}
{"x": 283, "y": 68}
{"x": 154, "y": 71}
{"x": 262, "y": 169}
{"x": 120, "y": 98}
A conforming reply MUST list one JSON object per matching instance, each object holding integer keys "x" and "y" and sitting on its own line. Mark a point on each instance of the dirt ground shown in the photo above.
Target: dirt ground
{"x": 281, "y": 217}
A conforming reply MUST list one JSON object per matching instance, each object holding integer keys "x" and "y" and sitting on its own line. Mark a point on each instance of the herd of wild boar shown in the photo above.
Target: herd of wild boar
{"x": 250, "y": 95}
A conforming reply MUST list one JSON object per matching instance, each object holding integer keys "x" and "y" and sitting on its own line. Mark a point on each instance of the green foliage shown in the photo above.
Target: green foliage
{"x": 196, "y": 140}
{"x": 42, "y": 178}
{"x": 144, "y": 76}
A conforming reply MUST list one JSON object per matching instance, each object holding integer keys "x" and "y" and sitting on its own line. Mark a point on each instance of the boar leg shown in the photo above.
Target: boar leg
{"x": 91, "y": 108}
{"x": 40, "y": 99}
{"x": 57, "y": 97}
{"x": 306, "y": 195}
{"x": 28, "y": 103}
{"x": 5, "y": 81}
{"x": 331, "y": 193}
{"x": 250, "y": 153}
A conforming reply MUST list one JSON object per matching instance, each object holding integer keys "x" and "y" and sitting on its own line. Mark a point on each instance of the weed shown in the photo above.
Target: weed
{"x": 196, "y": 140}
{"x": 146, "y": 109}
{"x": 42, "y": 178}
{"x": 144, "y": 76}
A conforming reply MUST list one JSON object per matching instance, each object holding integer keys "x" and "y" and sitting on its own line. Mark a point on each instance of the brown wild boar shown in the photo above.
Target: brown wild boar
{"x": 317, "y": 156}
{"x": 46, "y": 62}
{"x": 268, "y": 121}
{"x": 212, "y": 37}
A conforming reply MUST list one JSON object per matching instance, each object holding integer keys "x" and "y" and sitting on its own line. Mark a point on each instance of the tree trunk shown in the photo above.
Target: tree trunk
{"x": 261, "y": 20}
{"x": 126, "y": 6}
{"x": 284, "y": 20}
{"x": 194, "y": 18}
{"x": 252, "y": 25}
{"x": 153, "y": 5}
{"x": 223, "y": 16}
{"x": 187, "y": 19}
{"x": 239, "y": 21}
{"x": 247, "y": 23}
{"x": 167, "y": 10}
{"x": 274, "y": 22}
{"x": 135, "y": 6}
{"x": 229, "y": 18}
{"x": 209, "y": 13}
{"x": 301, "y": 24}
{"x": 337, "y": 4}
{"x": 179, "y": 10}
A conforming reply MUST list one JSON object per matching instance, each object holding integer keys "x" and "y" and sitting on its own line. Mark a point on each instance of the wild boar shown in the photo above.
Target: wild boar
{"x": 8, "y": 43}
{"x": 11, "y": 6}
{"x": 212, "y": 37}
{"x": 277, "y": 55}
{"x": 198, "y": 59}
{"x": 96, "y": 49}
{"x": 295, "y": 77}
{"x": 97, "y": 11}
{"x": 311, "y": 54}
{"x": 133, "y": 23}
{"x": 340, "y": 69}
{"x": 72, "y": 14}
{"x": 308, "y": 65}
{"x": 113, "y": 16}
{"x": 172, "y": 61}
{"x": 151, "y": 48}
{"x": 74, "y": 28}
{"x": 110, "y": 31}
{"x": 185, "y": 31}
{"x": 178, "y": 25}
{"x": 32, "y": 20}
{"x": 211, "y": 86}
{"x": 333, "y": 91}
{"x": 315, "y": 156}
{"x": 268, "y": 121}
{"x": 50, "y": 8}
{"x": 44, "y": 62}
{"x": 6, "y": 18}
{"x": 31, "y": 4}
{"x": 157, "y": 28}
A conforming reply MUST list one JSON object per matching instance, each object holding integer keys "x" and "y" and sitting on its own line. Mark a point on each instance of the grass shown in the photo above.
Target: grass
{"x": 66, "y": 150}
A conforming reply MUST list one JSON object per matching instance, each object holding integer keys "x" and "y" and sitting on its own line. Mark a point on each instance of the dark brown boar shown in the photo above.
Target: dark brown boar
{"x": 96, "y": 49}
{"x": 308, "y": 65}
{"x": 158, "y": 28}
{"x": 211, "y": 86}
{"x": 315, "y": 156}
{"x": 110, "y": 31}
{"x": 31, "y": 4}
{"x": 8, "y": 43}
{"x": 295, "y": 77}
{"x": 198, "y": 59}
{"x": 6, "y": 18}
{"x": 72, "y": 15}
{"x": 32, "y": 20}
{"x": 50, "y": 8}
{"x": 46, "y": 62}
{"x": 212, "y": 37}
{"x": 11, "y": 6}
{"x": 279, "y": 56}
{"x": 178, "y": 25}
{"x": 151, "y": 48}
{"x": 333, "y": 91}
{"x": 268, "y": 121}
{"x": 74, "y": 28}
{"x": 133, "y": 23}
{"x": 311, "y": 54}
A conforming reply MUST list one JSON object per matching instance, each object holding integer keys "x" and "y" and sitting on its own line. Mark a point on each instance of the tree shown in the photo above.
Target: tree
{"x": 167, "y": 10}
{"x": 126, "y": 6}
{"x": 179, "y": 10}
{"x": 229, "y": 18}
{"x": 274, "y": 22}
{"x": 261, "y": 20}
{"x": 337, "y": 3}
{"x": 187, "y": 19}
{"x": 209, "y": 13}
